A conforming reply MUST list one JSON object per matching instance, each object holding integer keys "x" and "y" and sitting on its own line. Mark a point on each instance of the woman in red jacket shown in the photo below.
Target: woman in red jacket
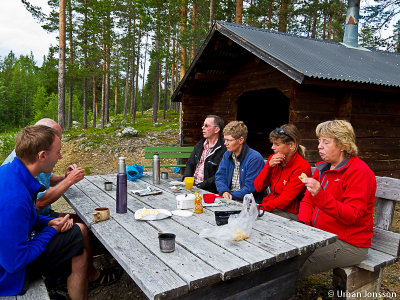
{"x": 339, "y": 199}
{"x": 281, "y": 173}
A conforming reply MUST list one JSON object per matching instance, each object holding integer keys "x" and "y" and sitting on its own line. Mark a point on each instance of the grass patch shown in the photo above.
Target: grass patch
{"x": 7, "y": 144}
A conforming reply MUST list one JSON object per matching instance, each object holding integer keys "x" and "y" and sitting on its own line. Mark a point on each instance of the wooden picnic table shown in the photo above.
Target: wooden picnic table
{"x": 264, "y": 266}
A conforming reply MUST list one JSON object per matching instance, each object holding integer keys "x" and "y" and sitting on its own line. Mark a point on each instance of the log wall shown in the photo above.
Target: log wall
{"x": 252, "y": 75}
{"x": 374, "y": 115}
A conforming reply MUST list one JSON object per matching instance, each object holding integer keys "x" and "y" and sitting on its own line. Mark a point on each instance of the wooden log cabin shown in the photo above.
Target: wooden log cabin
{"x": 267, "y": 79}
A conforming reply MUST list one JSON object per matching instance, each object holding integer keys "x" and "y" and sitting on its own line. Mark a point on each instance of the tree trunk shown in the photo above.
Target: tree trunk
{"x": 137, "y": 68}
{"x": 133, "y": 69}
{"x": 166, "y": 70}
{"x": 324, "y": 27}
{"x": 128, "y": 62}
{"x": 315, "y": 19}
{"x": 269, "y": 26}
{"x": 85, "y": 43}
{"x": 211, "y": 13}
{"x": 94, "y": 106}
{"x": 251, "y": 13}
{"x": 282, "y": 26}
{"x": 144, "y": 68}
{"x": 103, "y": 102}
{"x": 183, "y": 46}
{"x": 330, "y": 22}
{"x": 116, "y": 85}
{"x": 156, "y": 86}
{"x": 239, "y": 12}
{"x": 194, "y": 31}
{"x": 71, "y": 64}
{"x": 107, "y": 88}
{"x": 126, "y": 87}
{"x": 173, "y": 68}
{"x": 61, "y": 66}
{"x": 157, "y": 68}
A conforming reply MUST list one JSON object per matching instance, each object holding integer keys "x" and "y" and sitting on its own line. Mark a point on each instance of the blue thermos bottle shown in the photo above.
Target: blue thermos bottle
{"x": 121, "y": 187}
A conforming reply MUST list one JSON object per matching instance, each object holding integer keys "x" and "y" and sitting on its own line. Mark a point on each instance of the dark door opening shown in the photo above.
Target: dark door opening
{"x": 262, "y": 111}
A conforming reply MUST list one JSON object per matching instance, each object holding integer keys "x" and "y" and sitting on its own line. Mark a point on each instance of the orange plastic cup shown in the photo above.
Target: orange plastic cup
{"x": 189, "y": 182}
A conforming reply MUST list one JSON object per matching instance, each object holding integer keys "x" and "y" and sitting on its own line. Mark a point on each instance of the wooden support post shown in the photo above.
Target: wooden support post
{"x": 355, "y": 283}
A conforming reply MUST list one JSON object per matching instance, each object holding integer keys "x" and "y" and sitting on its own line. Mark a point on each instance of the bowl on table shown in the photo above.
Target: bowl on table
{"x": 222, "y": 216}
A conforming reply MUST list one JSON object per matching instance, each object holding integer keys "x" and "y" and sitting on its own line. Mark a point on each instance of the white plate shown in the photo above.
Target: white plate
{"x": 182, "y": 213}
{"x": 148, "y": 214}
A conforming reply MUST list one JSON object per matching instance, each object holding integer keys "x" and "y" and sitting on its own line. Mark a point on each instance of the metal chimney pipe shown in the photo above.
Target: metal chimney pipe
{"x": 351, "y": 29}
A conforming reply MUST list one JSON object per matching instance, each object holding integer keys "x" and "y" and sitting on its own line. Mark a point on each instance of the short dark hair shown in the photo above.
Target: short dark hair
{"x": 33, "y": 139}
{"x": 218, "y": 121}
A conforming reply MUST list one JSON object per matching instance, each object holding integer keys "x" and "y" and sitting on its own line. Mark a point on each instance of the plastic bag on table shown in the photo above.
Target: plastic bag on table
{"x": 134, "y": 172}
{"x": 239, "y": 226}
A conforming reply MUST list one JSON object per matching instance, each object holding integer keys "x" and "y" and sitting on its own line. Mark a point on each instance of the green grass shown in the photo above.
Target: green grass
{"x": 94, "y": 137}
{"x": 143, "y": 124}
{"x": 7, "y": 143}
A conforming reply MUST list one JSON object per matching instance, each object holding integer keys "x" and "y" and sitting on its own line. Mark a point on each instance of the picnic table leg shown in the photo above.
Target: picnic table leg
{"x": 276, "y": 282}
{"x": 355, "y": 283}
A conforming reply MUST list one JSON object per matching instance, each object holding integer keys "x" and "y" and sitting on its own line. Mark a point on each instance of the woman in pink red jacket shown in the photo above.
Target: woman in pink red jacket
{"x": 281, "y": 173}
{"x": 339, "y": 199}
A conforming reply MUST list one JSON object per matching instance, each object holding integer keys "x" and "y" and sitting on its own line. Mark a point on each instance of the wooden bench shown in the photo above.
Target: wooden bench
{"x": 384, "y": 251}
{"x": 168, "y": 152}
{"x": 36, "y": 291}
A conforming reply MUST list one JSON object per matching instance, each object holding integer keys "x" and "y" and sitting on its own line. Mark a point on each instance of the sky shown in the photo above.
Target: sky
{"x": 20, "y": 33}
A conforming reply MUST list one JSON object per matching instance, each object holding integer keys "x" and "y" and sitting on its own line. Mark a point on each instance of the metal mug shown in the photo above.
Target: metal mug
{"x": 167, "y": 242}
{"x": 164, "y": 175}
{"x": 108, "y": 186}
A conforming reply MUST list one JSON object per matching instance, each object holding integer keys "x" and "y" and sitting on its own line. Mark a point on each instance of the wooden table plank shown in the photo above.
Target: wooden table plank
{"x": 282, "y": 229}
{"x": 257, "y": 257}
{"x": 155, "y": 278}
{"x": 230, "y": 266}
{"x": 278, "y": 240}
{"x": 191, "y": 268}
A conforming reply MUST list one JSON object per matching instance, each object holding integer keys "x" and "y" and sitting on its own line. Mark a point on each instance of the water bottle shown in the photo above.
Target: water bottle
{"x": 156, "y": 168}
{"x": 121, "y": 187}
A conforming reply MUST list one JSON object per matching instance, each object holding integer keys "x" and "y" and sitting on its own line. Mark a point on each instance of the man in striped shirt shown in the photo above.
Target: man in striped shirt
{"x": 207, "y": 154}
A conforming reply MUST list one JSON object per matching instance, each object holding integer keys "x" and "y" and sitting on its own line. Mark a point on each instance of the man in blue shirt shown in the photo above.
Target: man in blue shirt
{"x": 33, "y": 245}
{"x": 58, "y": 183}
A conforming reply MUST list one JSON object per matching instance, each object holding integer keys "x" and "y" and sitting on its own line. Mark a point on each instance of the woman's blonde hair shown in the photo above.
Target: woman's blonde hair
{"x": 288, "y": 133}
{"x": 236, "y": 129}
{"x": 343, "y": 134}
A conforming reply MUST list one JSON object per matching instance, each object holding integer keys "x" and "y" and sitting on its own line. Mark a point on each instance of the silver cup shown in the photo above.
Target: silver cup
{"x": 167, "y": 242}
{"x": 164, "y": 175}
{"x": 108, "y": 186}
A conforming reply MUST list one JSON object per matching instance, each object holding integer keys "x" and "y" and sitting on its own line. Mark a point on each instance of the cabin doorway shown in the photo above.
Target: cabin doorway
{"x": 262, "y": 111}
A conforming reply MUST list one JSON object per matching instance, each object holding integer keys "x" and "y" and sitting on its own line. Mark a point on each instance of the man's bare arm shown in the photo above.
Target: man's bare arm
{"x": 54, "y": 193}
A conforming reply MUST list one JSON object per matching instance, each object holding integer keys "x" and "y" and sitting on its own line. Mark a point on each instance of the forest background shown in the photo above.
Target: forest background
{"x": 108, "y": 42}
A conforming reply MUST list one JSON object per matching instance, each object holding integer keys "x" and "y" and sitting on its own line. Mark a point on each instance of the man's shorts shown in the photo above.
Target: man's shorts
{"x": 55, "y": 261}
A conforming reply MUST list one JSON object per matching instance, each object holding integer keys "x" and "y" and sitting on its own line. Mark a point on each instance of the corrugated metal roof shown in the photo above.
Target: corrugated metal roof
{"x": 300, "y": 56}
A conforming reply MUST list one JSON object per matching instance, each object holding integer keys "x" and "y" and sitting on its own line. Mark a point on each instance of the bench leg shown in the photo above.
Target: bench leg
{"x": 355, "y": 283}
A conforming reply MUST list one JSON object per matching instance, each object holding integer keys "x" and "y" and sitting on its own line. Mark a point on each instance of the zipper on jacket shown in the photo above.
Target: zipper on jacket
{"x": 315, "y": 219}
{"x": 212, "y": 152}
